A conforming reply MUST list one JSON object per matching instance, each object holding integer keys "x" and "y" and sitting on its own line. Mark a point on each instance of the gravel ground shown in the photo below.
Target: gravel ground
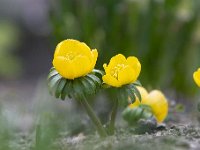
{"x": 176, "y": 137}
{"x": 181, "y": 133}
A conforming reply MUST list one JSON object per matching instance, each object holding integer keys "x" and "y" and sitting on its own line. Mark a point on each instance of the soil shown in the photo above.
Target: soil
{"x": 176, "y": 137}
{"x": 180, "y": 132}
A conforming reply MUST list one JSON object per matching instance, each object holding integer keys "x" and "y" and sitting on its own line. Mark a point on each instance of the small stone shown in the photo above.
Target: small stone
{"x": 76, "y": 139}
{"x": 161, "y": 126}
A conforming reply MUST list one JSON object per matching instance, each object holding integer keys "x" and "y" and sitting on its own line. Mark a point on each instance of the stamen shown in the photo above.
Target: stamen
{"x": 71, "y": 55}
{"x": 115, "y": 71}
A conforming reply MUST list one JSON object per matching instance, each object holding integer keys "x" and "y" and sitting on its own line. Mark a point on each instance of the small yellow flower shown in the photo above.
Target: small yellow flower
{"x": 73, "y": 59}
{"x": 156, "y": 100}
{"x": 196, "y": 77}
{"x": 158, "y": 103}
{"x": 121, "y": 71}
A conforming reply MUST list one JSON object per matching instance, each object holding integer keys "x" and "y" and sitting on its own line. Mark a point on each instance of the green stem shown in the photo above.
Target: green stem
{"x": 38, "y": 137}
{"x": 113, "y": 117}
{"x": 94, "y": 118}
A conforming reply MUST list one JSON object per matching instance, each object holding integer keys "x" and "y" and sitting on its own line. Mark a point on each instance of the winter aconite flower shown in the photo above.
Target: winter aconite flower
{"x": 196, "y": 77}
{"x": 73, "y": 59}
{"x": 121, "y": 71}
{"x": 155, "y": 100}
{"x": 158, "y": 102}
{"x": 73, "y": 76}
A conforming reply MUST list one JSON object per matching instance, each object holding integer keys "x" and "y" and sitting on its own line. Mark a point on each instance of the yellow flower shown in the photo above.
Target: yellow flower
{"x": 121, "y": 71}
{"x": 196, "y": 77}
{"x": 158, "y": 102}
{"x": 143, "y": 93}
{"x": 73, "y": 59}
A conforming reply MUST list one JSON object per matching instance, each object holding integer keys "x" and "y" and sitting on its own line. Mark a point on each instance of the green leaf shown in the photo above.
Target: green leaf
{"x": 95, "y": 79}
{"x": 60, "y": 87}
{"x": 92, "y": 84}
{"x": 135, "y": 115}
{"x": 77, "y": 89}
{"x": 137, "y": 83}
{"x": 146, "y": 114}
{"x": 98, "y": 72}
{"x": 133, "y": 118}
{"x": 138, "y": 113}
{"x": 126, "y": 113}
{"x": 146, "y": 107}
{"x": 131, "y": 95}
{"x": 137, "y": 92}
{"x": 66, "y": 90}
{"x": 52, "y": 68}
{"x": 52, "y": 73}
{"x": 86, "y": 86}
{"x": 52, "y": 83}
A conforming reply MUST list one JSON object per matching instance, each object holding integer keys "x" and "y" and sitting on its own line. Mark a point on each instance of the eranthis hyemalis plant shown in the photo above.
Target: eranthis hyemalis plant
{"x": 73, "y": 75}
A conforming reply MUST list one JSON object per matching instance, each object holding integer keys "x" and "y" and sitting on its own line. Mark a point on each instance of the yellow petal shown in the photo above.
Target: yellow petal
{"x": 113, "y": 63}
{"x": 196, "y": 77}
{"x": 65, "y": 68}
{"x": 157, "y": 101}
{"x": 120, "y": 69}
{"x": 127, "y": 75}
{"x": 162, "y": 115}
{"x": 105, "y": 68}
{"x": 70, "y": 45}
{"x": 118, "y": 59}
{"x": 73, "y": 59}
{"x": 135, "y": 64}
{"x": 94, "y": 55}
{"x": 108, "y": 79}
{"x": 81, "y": 66}
{"x": 143, "y": 93}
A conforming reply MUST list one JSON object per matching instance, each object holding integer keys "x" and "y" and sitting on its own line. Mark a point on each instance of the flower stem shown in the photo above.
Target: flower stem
{"x": 113, "y": 118}
{"x": 94, "y": 118}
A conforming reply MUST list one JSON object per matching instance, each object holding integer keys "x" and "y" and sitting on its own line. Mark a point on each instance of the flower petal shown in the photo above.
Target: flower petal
{"x": 82, "y": 66}
{"x": 105, "y": 66}
{"x": 143, "y": 93}
{"x": 73, "y": 59}
{"x": 118, "y": 59}
{"x": 70, "y": 45}
{"x": 135, "y": 64}
{"x": 196, "y": 77}
{"x": 65, "y": 68}
{"x": 122, "y": 70}
{"x": 127, "y": 75}
{"x": 158, "y": 103}
{"x": 108, "y": 79}
{"x": 94, "y": 55}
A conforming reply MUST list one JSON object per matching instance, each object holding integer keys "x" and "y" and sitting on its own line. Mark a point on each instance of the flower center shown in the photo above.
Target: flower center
{"x": 71, "y": 55}
{"x": 115, "y": 70}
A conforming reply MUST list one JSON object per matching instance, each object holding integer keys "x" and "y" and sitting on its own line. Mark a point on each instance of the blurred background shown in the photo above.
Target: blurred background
{"x": 163, "y": 34}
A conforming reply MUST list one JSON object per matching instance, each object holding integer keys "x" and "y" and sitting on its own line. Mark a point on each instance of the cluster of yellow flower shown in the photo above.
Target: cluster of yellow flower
{"x": 156, "y": 100}
{"x": 75, "y": 60}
